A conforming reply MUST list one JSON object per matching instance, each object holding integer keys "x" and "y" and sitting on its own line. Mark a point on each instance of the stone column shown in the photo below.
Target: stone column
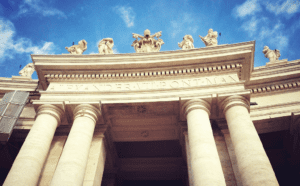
{"x": 96, "y": 161}
{"x": 28, "y": 164}
{"x": 188, "y": 159}
{"x": 72, "y": 163}
{"x": 253, "y": 163}
{"x": 206, "y": 165}
{"x": 56, "y": 149}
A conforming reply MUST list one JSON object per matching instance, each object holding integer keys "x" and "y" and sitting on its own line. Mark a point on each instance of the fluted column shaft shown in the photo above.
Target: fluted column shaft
{"x": 206, "y": 165}
{"x": 72, "y": 163}
{"x": 28, "y": 164}
{"x": 253, "y": 163}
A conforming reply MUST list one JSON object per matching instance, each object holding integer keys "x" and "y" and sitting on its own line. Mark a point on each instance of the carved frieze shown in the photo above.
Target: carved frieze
{"x": 149, "y": 85}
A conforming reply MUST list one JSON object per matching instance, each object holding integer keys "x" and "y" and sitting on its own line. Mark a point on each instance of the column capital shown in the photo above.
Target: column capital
{"x": 235, "y": 100}
{"x": 195, "y": 104}
{"x": 52, "y": 110}
{"x": 87, "y": 110}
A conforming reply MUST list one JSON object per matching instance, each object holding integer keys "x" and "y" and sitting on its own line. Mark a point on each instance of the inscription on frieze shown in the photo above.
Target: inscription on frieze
{"x": 147, "y": 85}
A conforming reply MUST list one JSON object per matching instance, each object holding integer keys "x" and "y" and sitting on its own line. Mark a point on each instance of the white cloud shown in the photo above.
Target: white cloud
{"x": 250, "y": 7}
{"x": 251, "y": 26}
{"x": 274, "y": 36}
{"x": 9, "y": 47}
{"x": 38, "y": 6}
{"x": 127, "y": 14}
{"x": 185, "y": 23}
{"x": 282, "y": 7}
{"x": 115, "y": 50}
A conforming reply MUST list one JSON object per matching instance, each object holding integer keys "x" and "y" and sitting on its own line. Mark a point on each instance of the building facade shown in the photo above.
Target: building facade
{"x": 201, "y": 116}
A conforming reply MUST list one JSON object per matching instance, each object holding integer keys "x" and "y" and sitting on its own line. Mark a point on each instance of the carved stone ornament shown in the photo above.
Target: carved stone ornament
{"x": 187, "y": 43}
{"x": 78, "y": 49}
{"x": 273, "y": 55}
{"x": 28, "y": 70}
{"x": 211, "y": 38}
{"x": 147, "y": 43}
{"x": 105, "y": 46}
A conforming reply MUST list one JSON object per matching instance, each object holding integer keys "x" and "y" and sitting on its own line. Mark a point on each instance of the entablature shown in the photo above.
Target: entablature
{"x": 125, "y": 67}
{"x": 287, "y": 70}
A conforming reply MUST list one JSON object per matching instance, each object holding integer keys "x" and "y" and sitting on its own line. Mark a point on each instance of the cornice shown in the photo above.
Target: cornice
{"x": 144, "y": 65}
{"x": 143, "y": 74}
{"x": 149, "y": 58}
{"x": 275, "y": 86}
{"x": 11, "y": 84}
{"x": 273, "y": 73}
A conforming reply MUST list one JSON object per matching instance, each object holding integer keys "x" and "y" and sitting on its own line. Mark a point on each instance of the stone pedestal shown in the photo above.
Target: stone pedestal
{"x": 206, "y": 166}
{"x": 72, "y": 163}
{"x": 31, "y": 158}
{"x": 253, "y": 163}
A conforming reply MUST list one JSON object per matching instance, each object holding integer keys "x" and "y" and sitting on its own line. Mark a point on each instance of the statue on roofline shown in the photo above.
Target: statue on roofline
{"x": 211, "y": 38}
{"x": 78, "y": 49}
{"x": 105, "y": 46}
{"x": 28, "y": 70}
{"x": 273, "y": 55}
{"x": 187, "y": 43}
{"x": 147, "y": 43}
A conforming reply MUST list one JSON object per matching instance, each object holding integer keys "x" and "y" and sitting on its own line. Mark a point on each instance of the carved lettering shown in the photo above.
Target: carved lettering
{"x": 119, "y": 86}
{"x": 186, "y": 83}
{"x": 96, "y": 87}
{"x": 208, "y": 81}
{"x": 163, "y": 84}
{"x": 109, "y": 87}
{"x": 78, "y": 87}
{"x": 231, "y": 79}
{"x": 174, "y": 84}
{"x": 127, "y": 86}
{"x": 153, "y": 85}
{"x": 202, "y": 81}
{"x": 70, "y": 87}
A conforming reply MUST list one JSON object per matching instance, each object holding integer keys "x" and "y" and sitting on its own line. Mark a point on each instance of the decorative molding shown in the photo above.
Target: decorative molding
{"x": 235, "y": 100}
{"x": 196, "y": 104}
{"x": 86, "y": 110}
{"x": 52, "y": 110}
{"x": 275, "y": 87}
{"x": 144, "y": 73}
{"x": 271, "y": 70}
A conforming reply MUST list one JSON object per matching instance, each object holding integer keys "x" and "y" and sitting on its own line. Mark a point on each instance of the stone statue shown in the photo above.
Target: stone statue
{"x": 78, "y": 49}
{"x": 28, "y": 70}
{"x": 187, "y": 43}
{"x": 211, "y": 38}
{"x": 105, "y": 46}
{"x": 147, "y": 43}
{"x": 273, "y": 55}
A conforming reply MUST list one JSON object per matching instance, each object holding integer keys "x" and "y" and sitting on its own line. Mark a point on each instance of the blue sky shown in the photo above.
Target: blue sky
{"x": 47, "y": 27}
